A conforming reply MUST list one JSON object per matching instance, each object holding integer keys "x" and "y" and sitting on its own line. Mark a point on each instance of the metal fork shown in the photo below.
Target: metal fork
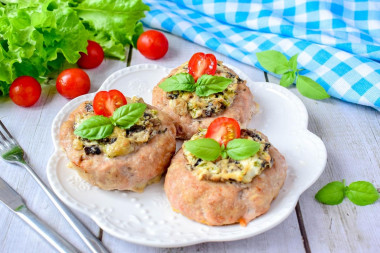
{"x": 12, "y": 152}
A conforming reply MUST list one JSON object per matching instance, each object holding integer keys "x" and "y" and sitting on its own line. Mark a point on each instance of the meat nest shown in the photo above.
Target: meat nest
{"x": 241, "y": 109}
{"x": 133, "y": 171}
{"x": 222, "y": 203}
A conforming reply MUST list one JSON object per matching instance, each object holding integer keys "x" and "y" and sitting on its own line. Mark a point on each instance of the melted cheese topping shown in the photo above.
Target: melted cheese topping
{"x": 121, "y": 141}
{"x": 184, "y": 102}
{"x": 223, "y": 170}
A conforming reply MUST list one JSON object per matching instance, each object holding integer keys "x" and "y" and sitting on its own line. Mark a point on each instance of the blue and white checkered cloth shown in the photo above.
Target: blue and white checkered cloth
{"x": 338, "y": 41}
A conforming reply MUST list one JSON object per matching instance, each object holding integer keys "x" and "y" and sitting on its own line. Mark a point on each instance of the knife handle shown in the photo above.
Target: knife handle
{"x": 87, "y": 237}
{"x": 45, "y": 231}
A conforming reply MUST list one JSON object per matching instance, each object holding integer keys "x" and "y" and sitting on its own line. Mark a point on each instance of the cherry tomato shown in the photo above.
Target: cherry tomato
{"x": 223, "y": 130}
{"x": 72, "y": 83}
{"x": 106, "y": 102}
{"x": 201, "y": 63}
{"x": 93, "y": 58}
{"x": 25, "y": 91}
{"x": 152, "y": 44}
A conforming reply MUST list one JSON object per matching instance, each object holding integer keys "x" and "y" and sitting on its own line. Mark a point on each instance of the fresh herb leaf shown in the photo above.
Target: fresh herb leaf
{"x": 240, "y": 149}
{"x": 127, "y": 115}
{"x": 362, "y": 193}
{"x": 311, "y": 89}
{"x": 208, "y": 84}
{"x": 206, "y": 149}
{"x": 182, "y": 81}
{"x": 273, "y": 61}
{"x": 293, "y": 62}
{"x": 331, "y": 194}
{"x": 288, "y": 78}
{"x": 95, "y": 128}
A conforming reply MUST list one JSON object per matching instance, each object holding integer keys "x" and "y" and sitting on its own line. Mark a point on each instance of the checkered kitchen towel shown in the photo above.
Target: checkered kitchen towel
{"x": 338, "y": 41}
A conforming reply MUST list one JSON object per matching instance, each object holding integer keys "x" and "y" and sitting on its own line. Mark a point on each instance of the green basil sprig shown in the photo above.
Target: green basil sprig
{"x": 276, "y": 62}
{"x": 205, "y": 85}
{"x": 361, "y": 193}
{"x": 209, "y": 149}
{"x": 99, "y": 127}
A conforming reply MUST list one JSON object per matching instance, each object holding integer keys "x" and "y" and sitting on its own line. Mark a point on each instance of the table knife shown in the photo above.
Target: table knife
{"x": 14, "y": 202}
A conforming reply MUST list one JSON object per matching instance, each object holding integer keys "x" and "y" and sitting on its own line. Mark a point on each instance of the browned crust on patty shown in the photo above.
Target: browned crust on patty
{"x": 242, "y": 109}
{"x": 216, "y": 203}
{"x": 127, "y": 172}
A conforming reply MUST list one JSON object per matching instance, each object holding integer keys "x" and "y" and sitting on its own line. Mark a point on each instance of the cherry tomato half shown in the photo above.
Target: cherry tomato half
{"x": 201, "y": 63}
{"x": 72, "y": 83}
{"x": 223, "y": 130}
{"x": 152, "y": 44}
{"x": 93, "y": 58}
{"x": 106, "y": 102}
{"x": 25, "y": 91}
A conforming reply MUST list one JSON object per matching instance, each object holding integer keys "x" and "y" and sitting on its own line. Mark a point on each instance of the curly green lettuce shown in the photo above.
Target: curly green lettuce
{"x": 38, "y": 36}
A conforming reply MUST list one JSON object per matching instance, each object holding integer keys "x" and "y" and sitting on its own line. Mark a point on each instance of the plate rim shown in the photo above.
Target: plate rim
{"x": 125, "y": 71}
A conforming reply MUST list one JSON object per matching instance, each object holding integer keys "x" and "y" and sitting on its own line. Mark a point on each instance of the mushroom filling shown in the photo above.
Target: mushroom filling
{"x": 121, "y": 141}
{"x": 184, "y": 102}
{"x": 229, "y": 170}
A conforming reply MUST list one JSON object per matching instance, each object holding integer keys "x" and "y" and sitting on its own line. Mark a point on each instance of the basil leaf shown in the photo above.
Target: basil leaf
{"x": 181, "y": 81}
{"x": 127, "y": 115}
{"x": 331, "y": 194}
{"x": 240, "y": 149}
{"x": 293, "y": 62}
{"x": 288, "y": 78}
{"x": 311, "y": 89}
{"x": 273, "y": 61}
{"x": 206, "y": 149}
{"x": 95, "y": 128}
{"x": 362, "y": 193}
{"x": 207, "y": 85}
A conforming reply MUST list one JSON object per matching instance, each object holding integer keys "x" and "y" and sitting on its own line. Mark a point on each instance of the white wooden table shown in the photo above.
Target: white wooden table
{"x": 350, "y": 132}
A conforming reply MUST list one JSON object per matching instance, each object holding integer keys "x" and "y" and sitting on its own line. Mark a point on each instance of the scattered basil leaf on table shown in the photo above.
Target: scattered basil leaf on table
{"x": 331, "y": 194}
{"x": 95, "y": 128}
{"x": 127, "y": 115}
{"x": 273, "y": 61}
{"x": 206, "y": 149}
{"x": 311, "y": 89}
{"x": 276, "y": 62}
{"x": 182, "y": 81}
{"x": 240, "y": 149}
{"x": 362, "y": 193}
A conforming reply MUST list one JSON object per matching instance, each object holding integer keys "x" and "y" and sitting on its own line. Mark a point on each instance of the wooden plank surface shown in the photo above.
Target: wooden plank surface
{"x": 350, "y": 132}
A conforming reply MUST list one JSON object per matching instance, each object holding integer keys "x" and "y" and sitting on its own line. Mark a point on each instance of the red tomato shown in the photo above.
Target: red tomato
{"x": 93, "y": 58}
{"x": 223, "y": 130}
{"x": 201, "y": 63}
{"x": 106, "y": 102}
{"x": 25, "y": 91}
{"x": 152, "y": 44}
{"x": 72, "y": 83}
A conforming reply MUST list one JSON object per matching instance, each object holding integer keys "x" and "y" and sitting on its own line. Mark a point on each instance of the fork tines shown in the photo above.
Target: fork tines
{"x": 6, "y": 140}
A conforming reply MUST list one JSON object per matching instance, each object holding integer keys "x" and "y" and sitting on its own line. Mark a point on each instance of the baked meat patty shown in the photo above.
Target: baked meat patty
{"x": 191, "y": 112}
{"x": 219, "y": 198}
{"x": 129, "y": 159}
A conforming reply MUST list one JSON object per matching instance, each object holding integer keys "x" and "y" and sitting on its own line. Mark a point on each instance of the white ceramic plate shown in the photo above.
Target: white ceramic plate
{"x": 147, "y": 218}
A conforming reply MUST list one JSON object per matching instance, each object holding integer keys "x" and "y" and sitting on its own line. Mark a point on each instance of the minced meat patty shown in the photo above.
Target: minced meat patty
{"x": 150, "y": 147}
{"x": 190, "y": 112}
{"x": 222, "y": 203}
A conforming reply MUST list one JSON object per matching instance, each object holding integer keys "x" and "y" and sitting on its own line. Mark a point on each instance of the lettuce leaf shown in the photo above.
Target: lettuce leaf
{"x": 112, "y": 23}
{"x": 38, "y": 36}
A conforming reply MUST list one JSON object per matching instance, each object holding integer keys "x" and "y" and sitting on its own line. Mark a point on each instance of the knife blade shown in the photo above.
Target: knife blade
{"x": 15, "y": 203}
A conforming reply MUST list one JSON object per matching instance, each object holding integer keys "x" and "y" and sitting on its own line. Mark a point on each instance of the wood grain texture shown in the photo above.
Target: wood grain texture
{"x": 351, "y": 134}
